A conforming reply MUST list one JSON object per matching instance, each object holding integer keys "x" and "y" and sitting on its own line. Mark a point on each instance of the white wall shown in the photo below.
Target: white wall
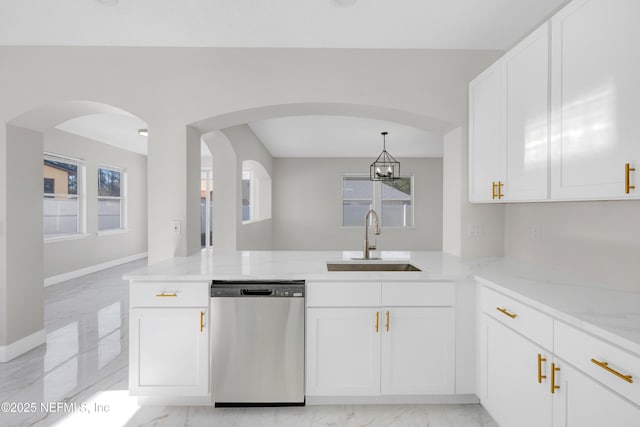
{"x": 24, "y": 315}
{"x": 598, "y": 241}
{"x": 171, "y": 88}
{"x": 251, "y": 235}
{"x": 307, "y": 206}
{"x": 70, "y": 255}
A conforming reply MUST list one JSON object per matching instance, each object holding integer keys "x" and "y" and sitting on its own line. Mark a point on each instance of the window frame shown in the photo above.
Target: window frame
{"x": 122, "y": 198}
{"x": 377, "y": 201}
{"x": 81, "y": 221}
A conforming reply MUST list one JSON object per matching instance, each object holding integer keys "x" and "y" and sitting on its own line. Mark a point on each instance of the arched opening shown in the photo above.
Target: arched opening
{"x": 73, "y": 204}
{"x": 246, "y": 146}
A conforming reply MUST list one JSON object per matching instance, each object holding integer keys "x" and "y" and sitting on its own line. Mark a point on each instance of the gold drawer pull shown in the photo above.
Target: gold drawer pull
{"x": 554, "y": 387}
{"x": 377, "y": 320}
{"x": 166, "y": 294}
{"x": 540, "y": 360}
{"x": 627, "y": 185}
{"x": 493, "y": 190}
{"x": 387, "y": 325}
{"x": 500, "y": 195}
{"x": 505, "y": 312}
{"x": 605, "y": 366}
{"x": 201, "y": 321}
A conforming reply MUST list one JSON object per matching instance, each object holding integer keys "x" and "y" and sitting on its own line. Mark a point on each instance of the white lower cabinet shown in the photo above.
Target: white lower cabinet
{"x": 169, "y": 339}
{"x": 580, "y": 402}
{"x": 418, "y": 350}
{"x": 170, "y": 352}
{"x": 343, "y": 352}
{"x": 523, "y": 383}
{"x": 382, "y": 350}
{"x": 516, "y": 390}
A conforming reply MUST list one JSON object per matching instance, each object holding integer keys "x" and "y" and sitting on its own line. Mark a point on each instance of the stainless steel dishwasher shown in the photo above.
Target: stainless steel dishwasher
{"x": 257, "y": 343}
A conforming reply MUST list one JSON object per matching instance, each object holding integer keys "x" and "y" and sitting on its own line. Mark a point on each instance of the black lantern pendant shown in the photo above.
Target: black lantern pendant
{"x": 385, "y": 168}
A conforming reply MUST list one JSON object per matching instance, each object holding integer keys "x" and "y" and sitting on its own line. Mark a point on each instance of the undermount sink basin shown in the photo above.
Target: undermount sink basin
{"x": 361, "y": 266}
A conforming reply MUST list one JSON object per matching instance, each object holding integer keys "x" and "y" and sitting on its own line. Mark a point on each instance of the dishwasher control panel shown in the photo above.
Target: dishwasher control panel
{"x": 264, "y": 289}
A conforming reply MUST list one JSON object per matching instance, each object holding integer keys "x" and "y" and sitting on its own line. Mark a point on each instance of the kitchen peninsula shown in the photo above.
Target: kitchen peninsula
{"x": 448, "y": 314}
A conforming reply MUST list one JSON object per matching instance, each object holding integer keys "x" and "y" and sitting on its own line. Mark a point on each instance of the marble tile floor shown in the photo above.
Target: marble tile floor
{"x": 80, "y": 377}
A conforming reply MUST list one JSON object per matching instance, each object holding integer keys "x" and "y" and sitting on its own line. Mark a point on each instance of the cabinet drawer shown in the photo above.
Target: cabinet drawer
{"x": 536, "y": 326}
{"x": 411, "y": 294}
{"x": 343, "y": 294}
{"x": 579, "y": 348}
{"x": 169, "y": 294}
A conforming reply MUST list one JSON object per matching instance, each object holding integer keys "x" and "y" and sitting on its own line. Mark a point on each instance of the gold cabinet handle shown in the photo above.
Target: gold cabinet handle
{"x": 500, "y": 195}
{"x": 201, "y": 321}
{"x": 493, "y": 190}
{"x": 377, "y": 320}
{"x": 166, "y": 294}
{"x": 605, "y": 366}
{"x": 540, "y": 360}
{"x": 627, "y": 170}
{"x": 554, "y": 369}
{"x": 387, "y": 325}
{"x": 505, "y": 312}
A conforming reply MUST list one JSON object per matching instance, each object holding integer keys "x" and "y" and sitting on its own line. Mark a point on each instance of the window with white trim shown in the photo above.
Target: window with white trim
{"x": 111, "y": 198}
{"x": 392, "y": 200}
{"x": 63, "y": 201}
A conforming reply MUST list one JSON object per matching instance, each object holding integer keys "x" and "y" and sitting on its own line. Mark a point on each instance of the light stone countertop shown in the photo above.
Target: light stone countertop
{"x": 304, "y": 265}
{"x": 597, "y": 308}
{"x": 606, "y": 312}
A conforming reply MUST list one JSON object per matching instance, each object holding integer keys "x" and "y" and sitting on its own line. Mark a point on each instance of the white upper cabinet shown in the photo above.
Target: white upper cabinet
{"x": 508, "y": 125}
{"x": 527, "y": 121}
{"x": 595, "y": 100}
{"x": 487, "y": 139}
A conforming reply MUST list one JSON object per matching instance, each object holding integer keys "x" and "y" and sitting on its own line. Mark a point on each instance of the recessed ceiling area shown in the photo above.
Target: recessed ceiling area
{"x": 343, "y": 136}
{"x": 114, "y": 129}
{"x": 398, "y": 24}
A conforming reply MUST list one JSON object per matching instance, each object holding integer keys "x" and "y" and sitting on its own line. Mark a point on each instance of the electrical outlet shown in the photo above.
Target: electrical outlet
{"x": 535, "y": 232}
{"x": 176, "y": 227}
{"x": 474, "y": 230}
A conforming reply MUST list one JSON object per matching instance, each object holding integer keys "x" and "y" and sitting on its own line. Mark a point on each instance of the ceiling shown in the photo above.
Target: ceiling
{"x": 342, "y": 136}
{"x": 394, "y": 24}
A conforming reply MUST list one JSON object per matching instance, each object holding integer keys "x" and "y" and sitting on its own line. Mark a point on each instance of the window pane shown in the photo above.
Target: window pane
{"x": 62, "y": 176}
{"x": 60, "y": 215}
{"x": 398, "y": 189}
{"x": 396, "y": 203}
{"x": 246, "y": 199}
{"x": 109, "y": 214}
{"x": 397, "y": 213}
{"x": 357, "y": 188}
{"x": 49, "y": 185}
{"x": 108, "y": 183}
{"x": 353, "y": 212}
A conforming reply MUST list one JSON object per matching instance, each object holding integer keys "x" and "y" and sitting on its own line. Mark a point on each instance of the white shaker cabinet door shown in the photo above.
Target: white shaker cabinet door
{"x": 169, "y": 354}
{"x": 418, "y": 350}
{"x": 487, "y": 139}
{"x": 509, "y": 377}
{"x": 343, "y": 351}
{"x": 595, "y": 66}
{"x": 527, "y": 101}
{"x": 582, "y": 402}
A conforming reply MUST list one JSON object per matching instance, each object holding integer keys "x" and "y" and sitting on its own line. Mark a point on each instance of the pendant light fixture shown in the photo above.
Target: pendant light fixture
{"x": 385, "y": 168}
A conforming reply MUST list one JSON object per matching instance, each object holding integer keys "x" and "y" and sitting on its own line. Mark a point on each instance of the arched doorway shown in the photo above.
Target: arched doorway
{"x": 23, "y": 250}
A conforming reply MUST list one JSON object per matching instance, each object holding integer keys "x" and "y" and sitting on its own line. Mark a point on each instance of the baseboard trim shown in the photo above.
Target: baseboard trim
{"x": 394, "y": 400}
{"x": 54, "y": 280}
{"x": 17, "y": 348}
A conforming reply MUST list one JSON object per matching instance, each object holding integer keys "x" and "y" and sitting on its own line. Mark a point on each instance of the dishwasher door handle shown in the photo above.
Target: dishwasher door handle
{"x": 257, "y": 292}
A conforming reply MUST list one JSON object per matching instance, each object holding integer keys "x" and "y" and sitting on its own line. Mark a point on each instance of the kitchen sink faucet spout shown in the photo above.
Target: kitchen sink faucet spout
{"x": 368, "y": 247}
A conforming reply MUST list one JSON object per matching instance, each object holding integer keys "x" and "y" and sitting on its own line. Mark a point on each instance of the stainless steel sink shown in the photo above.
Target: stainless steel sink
{"x": 378, "y": 266}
